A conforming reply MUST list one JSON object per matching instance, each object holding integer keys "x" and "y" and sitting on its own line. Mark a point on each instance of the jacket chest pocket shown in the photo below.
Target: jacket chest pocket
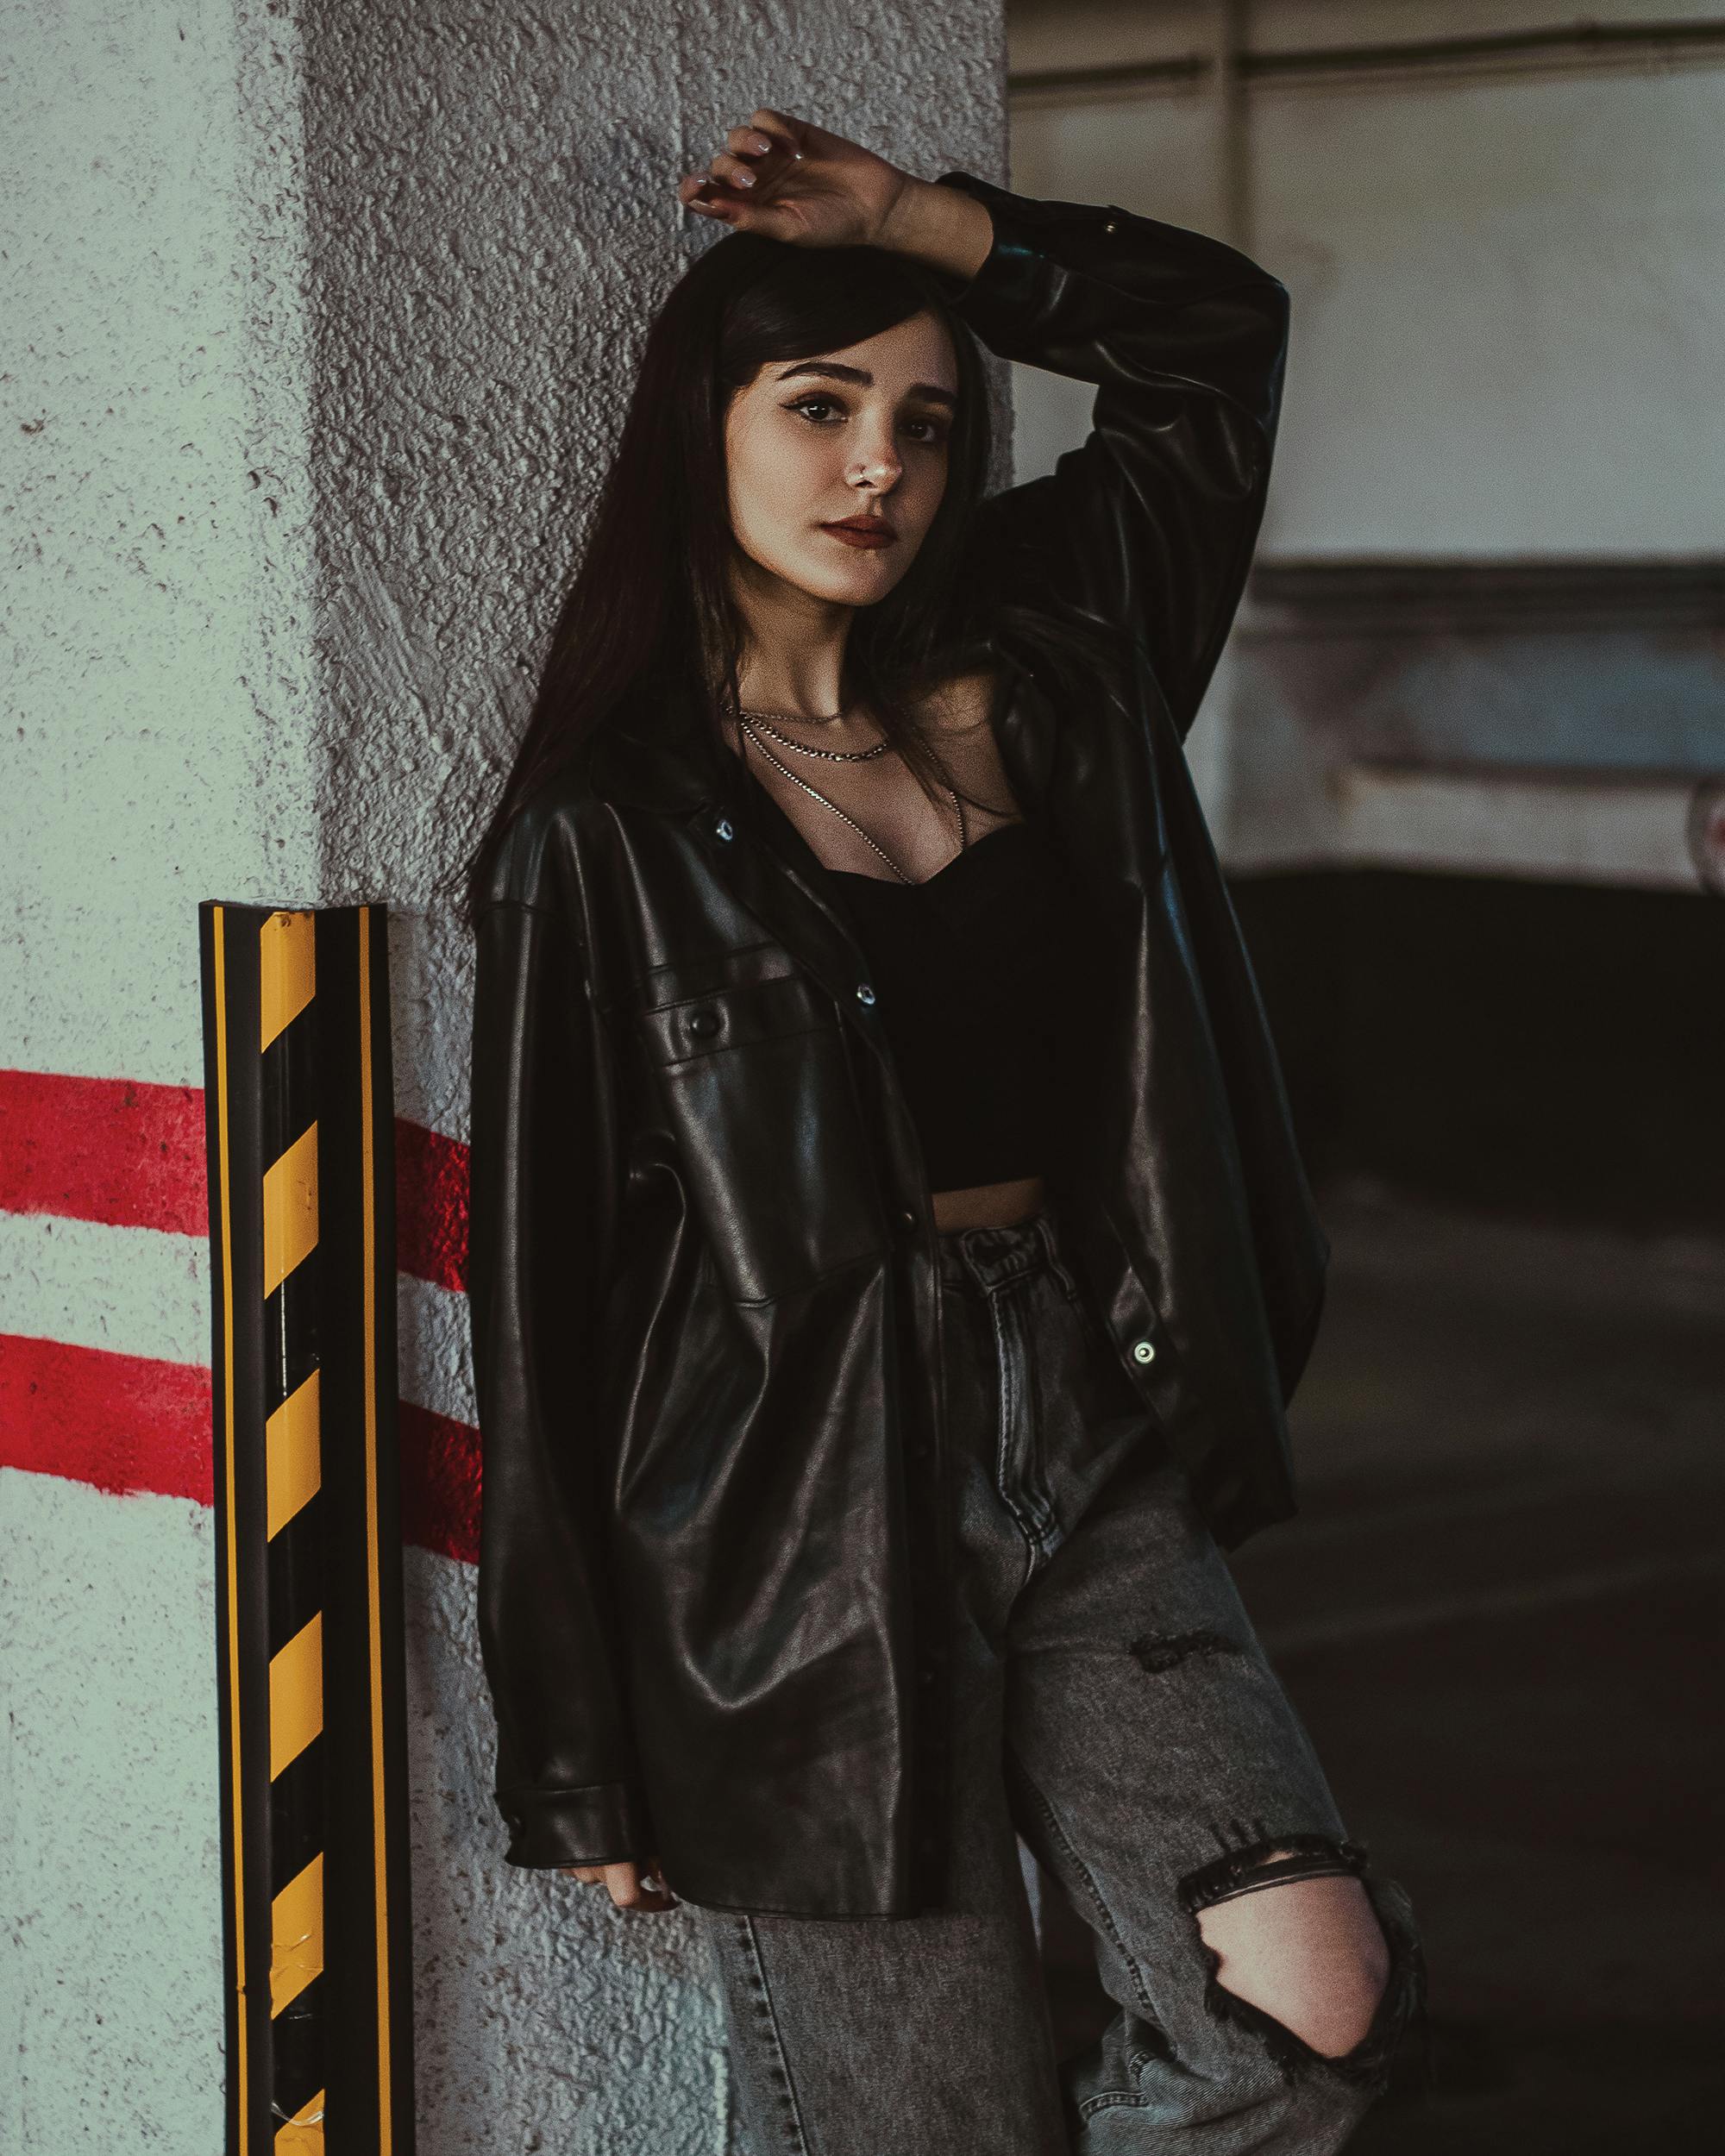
{"x": 757, "y": 1086}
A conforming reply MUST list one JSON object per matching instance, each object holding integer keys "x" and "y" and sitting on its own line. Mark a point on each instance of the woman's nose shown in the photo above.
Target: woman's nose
{"x": 879, "y": 469}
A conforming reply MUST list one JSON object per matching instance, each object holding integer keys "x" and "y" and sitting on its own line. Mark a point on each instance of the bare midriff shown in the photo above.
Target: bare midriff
{"x": 988, "y": 1204}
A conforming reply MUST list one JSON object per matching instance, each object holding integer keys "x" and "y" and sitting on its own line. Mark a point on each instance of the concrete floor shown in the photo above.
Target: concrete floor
{"x": 1498, "y": 1613}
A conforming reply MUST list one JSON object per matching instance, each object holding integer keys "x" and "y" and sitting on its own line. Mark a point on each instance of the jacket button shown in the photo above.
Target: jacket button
{"x": 723, "y": 828}
{"x": 1143, "y": 1351}
{"x": 908, "y": 1220}
{"x": 704, "y": 1022}
{"x": 864, "y": 993}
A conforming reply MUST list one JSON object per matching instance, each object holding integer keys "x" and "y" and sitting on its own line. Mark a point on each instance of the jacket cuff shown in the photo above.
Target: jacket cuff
{"x": 1009, "y": 274}
{"x": 1035, "y": 238}
{"x": 606, "y": 1822}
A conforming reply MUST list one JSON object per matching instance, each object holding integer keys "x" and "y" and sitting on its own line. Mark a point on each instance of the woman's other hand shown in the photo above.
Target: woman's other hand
{"x": 788, "y": 179}
{"x": 632, "y": 1886}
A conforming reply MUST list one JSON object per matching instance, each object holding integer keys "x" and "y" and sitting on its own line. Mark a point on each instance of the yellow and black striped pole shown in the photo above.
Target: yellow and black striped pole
{"x": 300, "y": 1123}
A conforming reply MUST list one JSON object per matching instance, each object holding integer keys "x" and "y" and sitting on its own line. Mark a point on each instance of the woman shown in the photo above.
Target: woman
{"x": 890, "y": 1261}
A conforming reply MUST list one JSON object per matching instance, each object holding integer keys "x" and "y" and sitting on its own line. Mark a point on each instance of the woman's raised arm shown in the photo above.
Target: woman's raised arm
{"x": 1149, "y": 524}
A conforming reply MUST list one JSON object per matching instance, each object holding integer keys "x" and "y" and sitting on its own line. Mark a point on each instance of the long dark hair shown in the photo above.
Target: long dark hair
{"x": 650, "y": 610}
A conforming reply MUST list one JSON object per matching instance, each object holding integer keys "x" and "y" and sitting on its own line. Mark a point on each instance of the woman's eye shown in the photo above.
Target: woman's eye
{"x": 822, "y": 411}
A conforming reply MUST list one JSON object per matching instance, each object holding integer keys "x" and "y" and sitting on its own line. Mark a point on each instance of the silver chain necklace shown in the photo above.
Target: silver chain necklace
{"x": 833, "y": 755}
{"x": 851, "y": 757}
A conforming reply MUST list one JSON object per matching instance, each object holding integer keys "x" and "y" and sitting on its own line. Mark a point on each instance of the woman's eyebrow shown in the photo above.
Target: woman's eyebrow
{"x": 840, "y": 372}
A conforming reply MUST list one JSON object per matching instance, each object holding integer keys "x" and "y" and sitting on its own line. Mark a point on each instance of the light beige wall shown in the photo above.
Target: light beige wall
{"x": 1508, "y": 276}
{"x": 1508, "y": 281}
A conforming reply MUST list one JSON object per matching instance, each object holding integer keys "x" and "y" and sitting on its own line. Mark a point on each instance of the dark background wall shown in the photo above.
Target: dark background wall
{"x": 1551, "y": 1051}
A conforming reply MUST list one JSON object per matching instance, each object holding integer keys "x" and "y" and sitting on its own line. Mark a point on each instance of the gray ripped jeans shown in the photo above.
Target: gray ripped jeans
{"x": 1114, "y": 1708}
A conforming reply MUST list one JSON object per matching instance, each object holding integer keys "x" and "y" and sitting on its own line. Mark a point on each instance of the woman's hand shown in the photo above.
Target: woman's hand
{"x": 788, "y": 179}
{"x": 629, "y": 1883}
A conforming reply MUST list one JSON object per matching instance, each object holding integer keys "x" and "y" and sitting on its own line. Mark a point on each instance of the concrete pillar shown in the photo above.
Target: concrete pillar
{"x": 318, "y": 323}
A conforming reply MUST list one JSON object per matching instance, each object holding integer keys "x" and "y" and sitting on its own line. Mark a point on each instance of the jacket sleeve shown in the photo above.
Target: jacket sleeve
{"x": 1148, "y": 526}
{"x": 541, "y": 1225}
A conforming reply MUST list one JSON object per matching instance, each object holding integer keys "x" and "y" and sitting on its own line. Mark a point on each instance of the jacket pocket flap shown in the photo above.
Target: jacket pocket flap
{"x": 710, "y": 971}
{"x": 776, "y": 1008}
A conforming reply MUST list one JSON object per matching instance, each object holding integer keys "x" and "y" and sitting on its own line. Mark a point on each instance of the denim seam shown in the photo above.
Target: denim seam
{"x": 1035, "y": 1481}
{"x": 990, "y": 1273}
{"x": 1058, "y": 1265}
{"x": 1095, "y": 1330}
{"x": 798, "y": 2139}
{"x": 992, "y": 1278}
{"x": 1091, "y": 1889}
{"x": 1114, "y": 2100}
{"x": 1006, "y": 1367}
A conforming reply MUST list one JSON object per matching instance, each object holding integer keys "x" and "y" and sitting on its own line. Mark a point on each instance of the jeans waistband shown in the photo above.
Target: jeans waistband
{"x": 992, "y": 1256}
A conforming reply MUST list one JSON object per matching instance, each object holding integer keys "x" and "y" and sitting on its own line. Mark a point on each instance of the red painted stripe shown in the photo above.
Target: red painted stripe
{"x": 122, "y": 1154}
{"x": 127, "y": 1424}
{"x": 440, "y": 1484}
{"x": 119, "y": 1421}
{"x": 430, "y": 1205}
{"x": 109, "y": 1149}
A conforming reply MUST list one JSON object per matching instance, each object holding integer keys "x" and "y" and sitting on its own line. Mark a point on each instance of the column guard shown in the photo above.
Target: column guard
{"x": 299, "y": 1127}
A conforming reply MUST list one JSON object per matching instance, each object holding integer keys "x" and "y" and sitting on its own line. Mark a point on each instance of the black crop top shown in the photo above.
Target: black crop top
{"x": 966, "y": 967}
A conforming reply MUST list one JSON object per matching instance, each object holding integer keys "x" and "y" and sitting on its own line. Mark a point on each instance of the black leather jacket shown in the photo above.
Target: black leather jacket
{"x": 702, "y": 1278}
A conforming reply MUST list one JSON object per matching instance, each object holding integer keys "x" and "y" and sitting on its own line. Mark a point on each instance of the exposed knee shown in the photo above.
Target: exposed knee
{"x": 1297, "y": 1948}
{"x": 1310, "y": 1952}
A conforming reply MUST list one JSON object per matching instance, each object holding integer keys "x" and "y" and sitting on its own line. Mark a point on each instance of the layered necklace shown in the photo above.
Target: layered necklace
{"x": 754, "y": 722}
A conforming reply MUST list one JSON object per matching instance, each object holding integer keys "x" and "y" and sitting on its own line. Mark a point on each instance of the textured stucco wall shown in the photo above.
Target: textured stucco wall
{"x": 317, "y": 321}
{"x": 159, "y": 688}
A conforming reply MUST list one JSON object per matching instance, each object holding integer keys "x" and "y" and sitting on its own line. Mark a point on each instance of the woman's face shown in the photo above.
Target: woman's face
{"x": 856, "y": 435}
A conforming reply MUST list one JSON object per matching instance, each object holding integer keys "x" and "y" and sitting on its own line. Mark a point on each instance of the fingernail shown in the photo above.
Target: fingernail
{"x": 745, "y": 177}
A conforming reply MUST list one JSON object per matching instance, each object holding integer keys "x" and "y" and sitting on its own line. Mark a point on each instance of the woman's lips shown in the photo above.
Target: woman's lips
{"x": 872, "y": 533}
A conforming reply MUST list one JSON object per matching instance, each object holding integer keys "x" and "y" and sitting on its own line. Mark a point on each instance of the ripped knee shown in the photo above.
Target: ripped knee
{"x": 1307, "y": 1950}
